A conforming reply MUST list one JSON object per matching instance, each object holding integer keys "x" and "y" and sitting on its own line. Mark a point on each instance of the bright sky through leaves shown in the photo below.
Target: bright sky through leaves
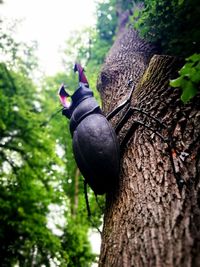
{"x": 50, "y": 24}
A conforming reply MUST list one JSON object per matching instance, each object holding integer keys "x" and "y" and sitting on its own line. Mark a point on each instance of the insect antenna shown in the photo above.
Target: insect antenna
{"x": 44, "y": 123}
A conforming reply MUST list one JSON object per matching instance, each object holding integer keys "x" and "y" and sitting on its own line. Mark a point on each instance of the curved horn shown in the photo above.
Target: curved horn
{"x": 63, "y": 96}
{"x": 82, "y": 77}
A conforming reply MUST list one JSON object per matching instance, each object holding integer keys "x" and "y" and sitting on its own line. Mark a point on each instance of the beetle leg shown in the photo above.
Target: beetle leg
{"x": 121, "y": 106}
{"x": 179, "y": 180}
{"x": 130, "y": 112}
{"x": 86, "y": 199}
{"x": 133, "y": 128}
{"x": 88, "y": 208}
{"x": 128, "y": 135}
{"x": 123, "y": 120}
{"x": 149, "y": 116}
{"x": 117, "y": 109}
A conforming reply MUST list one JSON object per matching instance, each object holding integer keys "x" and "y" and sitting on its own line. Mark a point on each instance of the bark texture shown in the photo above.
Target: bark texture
{"x": 149, "y": 220}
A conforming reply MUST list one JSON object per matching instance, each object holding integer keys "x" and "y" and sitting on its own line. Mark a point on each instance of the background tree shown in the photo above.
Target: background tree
{"x": 152, "y": 214}
{"x": 27, "y": 159}
{"x": 34, "y": 181}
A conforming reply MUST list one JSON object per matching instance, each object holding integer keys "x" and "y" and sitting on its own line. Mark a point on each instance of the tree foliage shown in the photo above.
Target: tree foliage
{"x": 34, "y": 178}
{"x": 189, "y": 79}
{"x": 106, "y": 20}
{"x": 26, "y": 160}
{"x": 19, "y": 56}
{"x": 174, "y": 27}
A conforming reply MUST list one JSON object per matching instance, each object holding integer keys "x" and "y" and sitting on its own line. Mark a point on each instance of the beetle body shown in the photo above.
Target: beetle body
{"x": 95, "y": 144}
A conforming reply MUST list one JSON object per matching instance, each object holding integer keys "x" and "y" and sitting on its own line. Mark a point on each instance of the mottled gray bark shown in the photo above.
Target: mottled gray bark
{"x": 148, "y": 220}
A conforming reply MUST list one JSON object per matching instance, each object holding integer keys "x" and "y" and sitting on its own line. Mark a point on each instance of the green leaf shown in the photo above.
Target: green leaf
{"x": 195, "y": 76}
{"x": 186, "y": 69}
{"x": 136, "y": 13}
{"x": 189, "y": 91}
{"x": 176, "y": 82}
{"x": 21, "y": 211}
{"x": 180, "y": 2}
{"x": 195, "y": 58}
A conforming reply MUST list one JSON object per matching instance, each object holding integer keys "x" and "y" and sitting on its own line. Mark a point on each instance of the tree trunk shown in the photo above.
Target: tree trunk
{"x": 152, "y": 218}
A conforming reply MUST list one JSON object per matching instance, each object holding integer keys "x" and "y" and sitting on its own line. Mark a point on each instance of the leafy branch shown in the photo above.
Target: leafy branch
{"x": 189, "y": 78}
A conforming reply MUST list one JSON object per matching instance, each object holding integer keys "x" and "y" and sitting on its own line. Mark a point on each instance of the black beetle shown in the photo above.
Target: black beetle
{"x": 95, "y": 145}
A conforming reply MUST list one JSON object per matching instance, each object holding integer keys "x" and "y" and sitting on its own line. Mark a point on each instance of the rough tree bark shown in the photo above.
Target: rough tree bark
{"x": 149, "y": 221}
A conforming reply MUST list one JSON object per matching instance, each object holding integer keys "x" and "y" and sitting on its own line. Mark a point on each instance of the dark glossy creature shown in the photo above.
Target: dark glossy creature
{"x": 95, "y": 144}
{"x": 96, "y": 151}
